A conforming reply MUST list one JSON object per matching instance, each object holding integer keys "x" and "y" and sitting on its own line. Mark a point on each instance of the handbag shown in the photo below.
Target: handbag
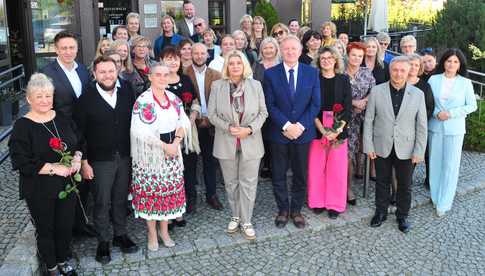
{"x": 168, "y": 137}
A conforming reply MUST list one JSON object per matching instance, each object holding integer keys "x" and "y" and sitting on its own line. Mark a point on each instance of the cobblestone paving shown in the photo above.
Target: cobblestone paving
{"x": 453, "y": 245}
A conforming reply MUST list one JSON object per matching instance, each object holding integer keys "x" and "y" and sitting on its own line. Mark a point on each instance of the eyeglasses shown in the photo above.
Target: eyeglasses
{"x": 327, "y": 58}
{"x": 279, "y": 33}
{"x": 198, "y": 25}
{"x": 384, "y": 43}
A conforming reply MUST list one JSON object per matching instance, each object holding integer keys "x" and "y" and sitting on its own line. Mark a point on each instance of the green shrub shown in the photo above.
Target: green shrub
{"x": 267, "y": 11}
{"x": 475, "y": 130}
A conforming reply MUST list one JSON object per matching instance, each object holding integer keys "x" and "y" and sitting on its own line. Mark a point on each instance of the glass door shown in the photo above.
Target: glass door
{"x": 217, "y": 16}
{"x": 4, "y": 48}
{"x": 48, "y": 18}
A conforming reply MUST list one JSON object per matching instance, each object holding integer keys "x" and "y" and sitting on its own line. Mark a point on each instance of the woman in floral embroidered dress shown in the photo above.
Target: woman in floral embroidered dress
{"x": 159, "y": 124}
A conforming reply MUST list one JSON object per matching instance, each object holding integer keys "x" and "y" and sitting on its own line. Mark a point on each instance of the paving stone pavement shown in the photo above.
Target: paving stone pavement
{"x": 204, "y": 235}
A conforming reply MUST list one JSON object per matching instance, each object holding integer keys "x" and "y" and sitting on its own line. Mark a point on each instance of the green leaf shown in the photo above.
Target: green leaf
{"x": 62, "y": 195}
{"x": 68, "y": 186}
{"x": 77, "y": 177}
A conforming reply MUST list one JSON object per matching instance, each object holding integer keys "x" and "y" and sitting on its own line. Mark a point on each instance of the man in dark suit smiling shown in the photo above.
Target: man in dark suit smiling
{"x": 292, "y": 92}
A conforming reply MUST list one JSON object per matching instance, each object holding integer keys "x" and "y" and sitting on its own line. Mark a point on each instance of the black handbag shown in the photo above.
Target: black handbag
{"x": 168, "y": 137}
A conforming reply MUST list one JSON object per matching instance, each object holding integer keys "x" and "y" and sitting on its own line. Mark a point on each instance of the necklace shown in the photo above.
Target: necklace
{"x": 166, "y": 106}
{"x": 57, "y": 132}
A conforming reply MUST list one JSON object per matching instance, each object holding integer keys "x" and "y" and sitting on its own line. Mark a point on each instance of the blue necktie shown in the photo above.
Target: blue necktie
{"x": 291, "y": 84}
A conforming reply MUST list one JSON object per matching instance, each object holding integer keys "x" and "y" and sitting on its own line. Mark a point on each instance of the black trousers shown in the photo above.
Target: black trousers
{"x": 53, "y": 219}
{"x": 404, "y": 174}
{"x": 209, "y": 163}
{"x": 190, "y": 177}
{"x": 110, "y": 191}
{"x": 281, "y": 156}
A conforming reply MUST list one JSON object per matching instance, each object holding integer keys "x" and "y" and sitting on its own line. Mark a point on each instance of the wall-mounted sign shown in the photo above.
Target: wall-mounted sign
{"x": 150, "y": 9}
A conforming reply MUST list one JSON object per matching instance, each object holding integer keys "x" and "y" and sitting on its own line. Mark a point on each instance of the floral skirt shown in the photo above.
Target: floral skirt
{"x": 158, "y": 195}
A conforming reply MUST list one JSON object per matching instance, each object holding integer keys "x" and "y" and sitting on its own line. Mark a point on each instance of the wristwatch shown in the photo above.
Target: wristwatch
{"x": 51, "y": 170}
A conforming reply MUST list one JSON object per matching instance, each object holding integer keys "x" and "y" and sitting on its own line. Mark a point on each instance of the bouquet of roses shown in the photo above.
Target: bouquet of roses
{"x": 337, "y": 126}
{"x": 58, "y": 146}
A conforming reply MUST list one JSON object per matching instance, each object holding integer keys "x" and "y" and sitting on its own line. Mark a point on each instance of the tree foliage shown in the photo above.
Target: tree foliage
{"x": 459, "y": 24}
{"x": 266, "y": 10}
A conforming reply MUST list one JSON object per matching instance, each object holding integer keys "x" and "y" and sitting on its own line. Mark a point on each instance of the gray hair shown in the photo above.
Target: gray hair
{"x": 132, "y": 15}
{"x": 197, "y": 44}
{"x": 408, "y": 38}
{"x": 273, "y": 41}
{"x": 39, "y": 81}
{"x": 241, "y": 33}
{"x": 291, "y": 37}
{"x": 397, "y": 59}
{"x": 158, "y": 64}
{"x": 383, "y": 37}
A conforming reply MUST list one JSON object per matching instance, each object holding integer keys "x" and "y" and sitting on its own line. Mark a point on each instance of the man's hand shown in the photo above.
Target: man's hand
{"x": 293, "y": 131}
{"x": 416, "y": 160}
{"x": 372, "y": 155}
{"x": 87, "y": 171}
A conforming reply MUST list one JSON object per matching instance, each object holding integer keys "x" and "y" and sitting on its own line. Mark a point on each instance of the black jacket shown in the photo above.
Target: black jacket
{"x": 105, "y": 130}
{"x": 64, "y": 96}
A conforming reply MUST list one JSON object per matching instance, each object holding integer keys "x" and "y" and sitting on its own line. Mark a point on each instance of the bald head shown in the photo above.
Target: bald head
{"x": 199, "y": 54}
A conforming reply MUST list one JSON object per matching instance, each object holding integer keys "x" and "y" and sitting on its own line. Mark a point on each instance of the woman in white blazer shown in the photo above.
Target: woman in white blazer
{"x": 237, "y": 109}
{"x": 454, "y": 100}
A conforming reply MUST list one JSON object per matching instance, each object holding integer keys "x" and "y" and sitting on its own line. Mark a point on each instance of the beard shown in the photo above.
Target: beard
{"x": 106, "y": 87}
{"x": 198, "y": 64}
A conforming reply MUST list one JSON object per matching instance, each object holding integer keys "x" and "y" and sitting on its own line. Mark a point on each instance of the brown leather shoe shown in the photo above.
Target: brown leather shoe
{"x": 214, "y": 203}
{"x": 281, "y": 219}
{"x": 298, "y": 220}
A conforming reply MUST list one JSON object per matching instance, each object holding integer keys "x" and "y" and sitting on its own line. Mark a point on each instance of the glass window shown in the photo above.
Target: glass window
{"x": 48, "y": 18}
{"x": 4, "y": 55}
{"x": 174, "y": 8}
{"x": 217, "y": 16}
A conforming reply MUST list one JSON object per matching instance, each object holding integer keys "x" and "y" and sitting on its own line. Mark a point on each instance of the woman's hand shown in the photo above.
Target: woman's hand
{"x": 75, "y": 166}
{"x": 61, "y": 170}
{"x": 87, "y": 171}
{"x": 171, "y": 149}
{"x": 331, "y": 135}
{"x": 443, "y": 115}
{"x": 193, "y": 116}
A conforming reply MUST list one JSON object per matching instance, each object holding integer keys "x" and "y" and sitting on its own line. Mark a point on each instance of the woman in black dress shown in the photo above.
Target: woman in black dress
{"x": 311, "y": 42}
{"x": 42, "y": 178}
{"x": 416, "y": 78}
{"x": 182, "y": 87}
{"x": 374, "y": 60}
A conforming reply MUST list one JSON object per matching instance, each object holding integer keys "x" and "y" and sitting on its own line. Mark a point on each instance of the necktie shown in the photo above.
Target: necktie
{"x": 291, "y": 84}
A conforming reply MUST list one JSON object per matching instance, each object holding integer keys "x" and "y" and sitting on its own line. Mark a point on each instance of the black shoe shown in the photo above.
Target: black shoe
{"x": 377, "y": 220}
{"x": 266, "y": 173}
{"x": 298, "y": 220}
{"x": 86, "y": 230}
{"x": 281, "y": 219}
{"x": 403, "y": 225}
{"x": 103, "y": 254}
{"x": 125, "y": 244}
{"x": 372, "y": 178}
{"x": 170, "y": 225}
{"x": 66, "y": 269}
{"x": 191, "y": 208}
{"x": 352, "y": 202}
{"x": 180, "y": 223}
{"x": 214, "y": 203}
{"x": 333, "y": 214}
{"x": 318, "y": 211}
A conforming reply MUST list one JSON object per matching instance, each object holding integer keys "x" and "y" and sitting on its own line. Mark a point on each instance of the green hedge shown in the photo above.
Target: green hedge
{"x": 475, "y": 130}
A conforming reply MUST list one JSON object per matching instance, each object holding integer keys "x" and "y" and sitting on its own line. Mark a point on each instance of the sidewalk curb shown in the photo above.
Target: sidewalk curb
{"x": 22, "y": 259}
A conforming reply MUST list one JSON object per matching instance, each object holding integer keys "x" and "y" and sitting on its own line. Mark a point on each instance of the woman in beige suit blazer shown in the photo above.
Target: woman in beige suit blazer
{"x": 237, "y": 110}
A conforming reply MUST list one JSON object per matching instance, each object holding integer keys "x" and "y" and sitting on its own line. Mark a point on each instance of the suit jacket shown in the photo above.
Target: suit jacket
{"x": 407, "y": 131}
{"x": 64, "y": 95}
{"x": 158, "y": 45}
{"x": 461, "y": 102}
{"x": 221, "y": 115}
{"x": 282, "y": 109}
{"x": 182, "y": 28}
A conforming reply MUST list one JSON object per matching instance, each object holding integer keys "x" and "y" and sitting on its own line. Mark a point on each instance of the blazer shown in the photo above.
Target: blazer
{"x": 182, "y": 28}
{"x": 282, "y": 109}
{"x": 211, "y": 75}
{"x": 158, "y": 44}
{"x": 64, "y": 95}
{"x": 407, "y": 132}
{"x": 462, "y": 101}
{"x": 221, "y": 116}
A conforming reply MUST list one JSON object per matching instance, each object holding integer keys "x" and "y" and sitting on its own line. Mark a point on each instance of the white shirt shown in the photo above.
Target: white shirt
{"x": 447, "y": 88}
{"x": 73, "y": 78}
{"x": 295, "y": 76}
{"x": 110, "y": 99}
{"x": 217, "y": 63}
{"x": 190, "y": 25}
{"x": 200, "y": 77}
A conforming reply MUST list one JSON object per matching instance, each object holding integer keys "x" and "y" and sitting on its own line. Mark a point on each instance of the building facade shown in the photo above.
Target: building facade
{"x": 27, "y": 27}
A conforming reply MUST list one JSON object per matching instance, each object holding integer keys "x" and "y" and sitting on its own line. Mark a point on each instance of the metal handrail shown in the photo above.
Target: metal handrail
{"x": 3, "y": 136}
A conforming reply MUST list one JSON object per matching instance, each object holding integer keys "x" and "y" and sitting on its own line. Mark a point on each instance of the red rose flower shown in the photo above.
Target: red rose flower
{"x": 337, "y": 108}
{"x": 146, "y": 70}
{"x": 56, "y": 144}
{"x": 147, "y": 114}
{"x": 186, "y": 97}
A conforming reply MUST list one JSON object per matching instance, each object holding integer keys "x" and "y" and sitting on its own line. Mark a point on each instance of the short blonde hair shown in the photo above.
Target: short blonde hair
{"x": 332, "y": 26}
{"x": 211, "y": 32}
{"x": 171, "y": 20}
{"x": 247, "y": 72}
{"x": 270, "y": 40}
{"x": 244, "y": 17}
{"x": 127, "y": 62}
{"x": 139, "y": 40}
{"x": 39, "y": 81}
{"x": 420, "y": 59}
{"x": 243, "y": 34}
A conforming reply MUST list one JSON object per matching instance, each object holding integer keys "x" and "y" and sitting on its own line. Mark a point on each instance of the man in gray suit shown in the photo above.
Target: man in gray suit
{"x": 185, "y": 26}
{"x": 395, "y": 133}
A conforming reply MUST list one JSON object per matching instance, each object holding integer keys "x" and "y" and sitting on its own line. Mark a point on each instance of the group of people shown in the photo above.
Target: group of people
{"x": 257, "y": 105}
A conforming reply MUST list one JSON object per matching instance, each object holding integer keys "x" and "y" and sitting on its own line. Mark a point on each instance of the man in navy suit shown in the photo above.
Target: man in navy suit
{"x": 292, "y": 92}
{"x": 70, "y": 79}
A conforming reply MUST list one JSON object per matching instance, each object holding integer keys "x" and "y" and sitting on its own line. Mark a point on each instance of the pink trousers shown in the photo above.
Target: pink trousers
{"x": 327, "y": 174}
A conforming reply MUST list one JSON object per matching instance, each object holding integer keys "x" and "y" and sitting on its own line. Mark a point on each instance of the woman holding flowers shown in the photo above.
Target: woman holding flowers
{"x": 158, "y": 127}
{"x": 38, "y": 148}
{"x": 328, "y": 157}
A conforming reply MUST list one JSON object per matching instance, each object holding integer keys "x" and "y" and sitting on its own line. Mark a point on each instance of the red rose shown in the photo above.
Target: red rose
{"x": 56, "y": 144}
{"x": 146, "y": 70}
{"x": 186, "y": 97}
{"x": 337, "y": 108}
{"x": 147, "y": 114}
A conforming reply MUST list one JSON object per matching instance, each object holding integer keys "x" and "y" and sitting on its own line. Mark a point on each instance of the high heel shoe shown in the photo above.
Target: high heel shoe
{"x": 352, "y": 202}
{"x": 152, "y": 246}
{"x": 166, "y": 243}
